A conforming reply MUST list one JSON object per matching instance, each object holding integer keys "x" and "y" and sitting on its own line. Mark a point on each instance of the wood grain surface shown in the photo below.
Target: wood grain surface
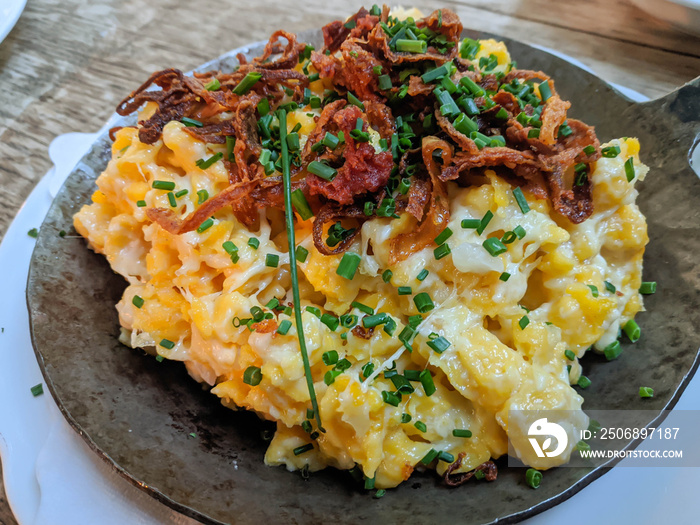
{"x": 67, "y": 63}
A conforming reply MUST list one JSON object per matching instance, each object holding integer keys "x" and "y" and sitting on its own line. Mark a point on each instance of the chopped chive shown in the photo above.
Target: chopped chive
{"x": 471, "y": 223}
{"x": 446, "y": 457}
{"x": 284, "y": 327}
{"x": 229, "y": 247}
{"x": 439, "y": 344}
{"x": 632, "y": 330}
{"x": 442, "y": 251}
{"x": 545, "y": 91}
{"x": 391, "y": 398}
{"x": 422, "y": 275}
{"x": 257, "y": 313}
{"x": 252, "y": 376}
{"x": 273, "y": 303}
{"x": 331, "y": 321}
{"x": 509, "y": 237}
{"x": 230, "y": 144}
{"x": 524, "y": 321}
{"x": 322, "y": 170}
{"x": 534, "y": 133}
{"x": 519, "y": 231}
{"x": 569, "y": 355}
{"x": 137, "y": 301}
{"x": 167, "y": 343}
{"x": 611, "y": 152}
{"x": 594, "y": 290}
{"x": 313, "y": 310}
{"x": 610, "y": 287}
{"x": 355, "y": 101}
{"x": 141, "y": 204}
{"x": 429, "y": 457}
{"x": 521, "y": 200}
{"x": 645, "y": 391}
{"x": 385, "y": 82}
{"x": 369, "y": 208}
{"x": 263, "y": 107}
{"x": 423, "y": 302}
{"x": 330, "y": 140}
{"x": 472, "y": 86}
{"x": 405, "y": 418}
{"x": 386, "y": 275}
{"x": 613, "y": 350}
{"x": 254, "y": 243}
{"x": 377, "y": 70}
{"x": 302, "y": 449}
{"x": 504, "y": 276}
{"x": 589, "y": 150}
{"x": 436, "y": 74}
{"x": 411, "y": 46}
{"x": 533, "y": 478}
{"x": 163, "y": 185}
{"x": 181, "y": 193}
{"x": 405, "y": 290}
{"x": 412, "y": 375}
{"x": 648, "y": 288}
{"x": 462, "y": 433}
{"x": 629, "y": 169}
{"x": 379, "y": 494}
{"x": 582, "y": 446}
{"x": 293, "y": 141}
{"x": 348, "y": 265}
{"x": 159, "y": 358}
{"x": 191, "y": 123}
{"x": 402, "y": 385}
{"x": 369, "y": 483}
{"x": 301, "y": 253}
{"x": 212, "y": 85}
{"x": 37, "y": 390}
{"x": 406, "y": 335}
{"x": 415, "y": 320}
{"x": 330, "y": 358}
{"x": 404, "y": 186}
{"x": 426, "y": 379}
{"x": 465, "y": 125}
{"x": 497, "y": 141}
{"x": 204, "y": 164}
{"x": 494, "y": 246}
{"x": 443, "y": 236}
{"x": 205, "y": 225}
{"x": 583, "y": 382}
{"x": 348, "y": 320}
{"x": 371, "y": 321}
{"x": 367, "y": 370}
{"x": 485, "y": 220}
{"x": 363, "y": 308}
{"x": 301, "y": 205}
{"x": 272, "y": 260}
{"x": 171, "y": 199}
{"x": 247, "y": 83}
{"x": 420, "y": 426}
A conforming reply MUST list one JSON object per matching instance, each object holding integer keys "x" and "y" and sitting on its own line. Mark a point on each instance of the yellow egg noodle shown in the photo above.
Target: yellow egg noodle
{"x": 507, "y": 319}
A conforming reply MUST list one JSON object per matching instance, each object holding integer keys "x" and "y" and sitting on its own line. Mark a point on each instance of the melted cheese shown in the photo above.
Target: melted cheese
{"x": 195, "y": 296}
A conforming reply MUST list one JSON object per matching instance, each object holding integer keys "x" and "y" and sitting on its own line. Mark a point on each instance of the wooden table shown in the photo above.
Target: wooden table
{"x": 67, "y": 64}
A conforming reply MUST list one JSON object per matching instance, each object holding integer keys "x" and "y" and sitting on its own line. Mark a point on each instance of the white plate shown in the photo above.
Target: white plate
{"x": 9, "y": 14}
{"x": 52, "y": 477}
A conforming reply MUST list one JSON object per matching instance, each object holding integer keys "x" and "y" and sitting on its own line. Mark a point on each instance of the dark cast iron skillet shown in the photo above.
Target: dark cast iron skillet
{"x": 137, "y": 414}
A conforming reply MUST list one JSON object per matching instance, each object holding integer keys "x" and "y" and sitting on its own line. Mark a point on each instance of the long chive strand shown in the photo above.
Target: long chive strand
{"x": 289, "y": 215}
